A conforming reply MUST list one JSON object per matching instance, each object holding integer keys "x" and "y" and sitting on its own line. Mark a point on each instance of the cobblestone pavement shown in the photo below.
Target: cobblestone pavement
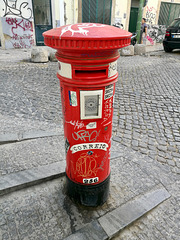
{"x": 147, "y": 103}
{"x": 147, "y": 114}
{"x": 146, "y": 126}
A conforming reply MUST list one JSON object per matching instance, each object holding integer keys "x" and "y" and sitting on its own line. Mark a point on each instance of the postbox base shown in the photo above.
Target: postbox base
{"x": 88, "y": 195}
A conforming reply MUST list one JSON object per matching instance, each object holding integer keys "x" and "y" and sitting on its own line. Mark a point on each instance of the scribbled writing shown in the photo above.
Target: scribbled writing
{"x": 84, "y": 135}
{"x": 86, "y": 166}
{"x": 156, "y": 33}
{"x": 20, "y": 32}
{"x": 77, "y": 124}
{"x": 108, "y": 109}
{"x": 150, "y": 15}
{"x": 18, "y": 8}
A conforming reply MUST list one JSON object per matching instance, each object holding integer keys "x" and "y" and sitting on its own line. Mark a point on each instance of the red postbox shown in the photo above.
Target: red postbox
{"x": 87, "y": 56}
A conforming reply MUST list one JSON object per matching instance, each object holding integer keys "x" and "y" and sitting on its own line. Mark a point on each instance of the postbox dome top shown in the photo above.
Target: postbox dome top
{"x": 87, "y": 36}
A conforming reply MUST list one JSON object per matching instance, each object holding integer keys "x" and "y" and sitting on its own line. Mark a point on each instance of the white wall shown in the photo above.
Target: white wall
{"x": 16, "y": 24}
{"x": 121, "y": 12}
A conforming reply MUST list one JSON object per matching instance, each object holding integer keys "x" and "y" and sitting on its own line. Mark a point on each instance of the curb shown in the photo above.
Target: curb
{"x": 113, "y": 222}
{"x": 34, "y": 176}
{"x": 22, "y": 136}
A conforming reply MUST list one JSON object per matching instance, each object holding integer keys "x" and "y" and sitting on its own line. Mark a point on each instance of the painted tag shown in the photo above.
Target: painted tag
{"x": 65, "y": 69}
{"x": 73, "y": 98}
{"x": 108, "y": 91}
{"x": 91, "y": 125}
{"x": 87, "y": 146}
{"x": 112, "y": 69}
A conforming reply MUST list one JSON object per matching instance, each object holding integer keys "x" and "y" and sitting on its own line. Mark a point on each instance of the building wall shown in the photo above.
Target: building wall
{"x": 121, "y": 12}
{"x": 159, "y": 5}
{"x": 16, "y": 28}
{"x": 70, "y": 11}
{"x": 151, "y": 13}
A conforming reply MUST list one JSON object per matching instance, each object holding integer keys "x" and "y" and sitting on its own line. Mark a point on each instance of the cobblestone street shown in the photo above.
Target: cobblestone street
{"x": 147, "y": 116}
{"x": 145, "y": 149}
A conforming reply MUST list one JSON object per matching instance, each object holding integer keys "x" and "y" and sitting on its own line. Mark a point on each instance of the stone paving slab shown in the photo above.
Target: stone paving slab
{"x": 22, "y": 136}
{"x": 15, "y": 181}
{"x": 25, "y": 155}
{"x": 112, "y": 222}
{"x": 45, "y": 212}
{"x": 122, "y": 216}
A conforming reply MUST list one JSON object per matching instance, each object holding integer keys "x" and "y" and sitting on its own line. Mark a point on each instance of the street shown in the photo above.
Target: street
{"x": 146, "y": 147}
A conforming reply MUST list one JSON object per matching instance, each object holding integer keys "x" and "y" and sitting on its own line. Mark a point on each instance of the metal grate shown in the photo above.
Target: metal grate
{"x": 98, "y": 11}
{"x": 168, "y": 12}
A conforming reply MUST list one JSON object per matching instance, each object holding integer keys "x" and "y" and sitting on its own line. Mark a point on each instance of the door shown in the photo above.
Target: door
{"x": 97, "y": 11}
{"x": 42, "y": 19}
{"x": 133, "y": 19}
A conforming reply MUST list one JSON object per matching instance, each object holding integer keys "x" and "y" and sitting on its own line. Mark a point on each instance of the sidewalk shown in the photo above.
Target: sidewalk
{"x": 144, "y": 193}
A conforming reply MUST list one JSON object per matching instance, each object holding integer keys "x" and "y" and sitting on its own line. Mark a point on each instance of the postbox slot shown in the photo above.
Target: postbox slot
{"x": 100, "y": 73}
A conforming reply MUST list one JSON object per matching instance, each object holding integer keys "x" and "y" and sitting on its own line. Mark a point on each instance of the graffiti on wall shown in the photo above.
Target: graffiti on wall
{"x": 17, "y": 26}
{"x": 156, "y": 33}
{"x": 150, "y": 15}
{"x": 23, "y": 9}
{"x": 18, "y": 33}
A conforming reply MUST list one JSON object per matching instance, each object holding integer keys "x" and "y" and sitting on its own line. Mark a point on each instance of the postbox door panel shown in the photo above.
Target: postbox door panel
{"x": 88, "y": 132}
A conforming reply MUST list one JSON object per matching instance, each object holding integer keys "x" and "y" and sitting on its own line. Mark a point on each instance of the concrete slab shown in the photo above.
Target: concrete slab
{"x": 19, "y": 180}
{"x": 126, "y": 214}
{"x": 92, "y": 231}
{"x": 39, "y": 55}
{"x": 127, "y": 51}
{"x": 139, "y": 49}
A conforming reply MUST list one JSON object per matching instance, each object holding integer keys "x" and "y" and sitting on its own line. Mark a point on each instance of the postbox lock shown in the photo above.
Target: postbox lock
{"x": 91, "y": 104}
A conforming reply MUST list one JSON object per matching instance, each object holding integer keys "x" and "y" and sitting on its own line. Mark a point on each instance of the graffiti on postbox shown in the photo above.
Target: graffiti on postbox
{"x": 84, "y": 135}
{"x": 86, "y": 166}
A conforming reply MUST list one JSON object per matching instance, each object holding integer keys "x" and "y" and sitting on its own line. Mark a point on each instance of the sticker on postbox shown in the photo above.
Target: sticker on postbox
{"x": 112, "y": 69}
{"x": 91, "y": 125}
{"x": 108, "y": 91}
{"x": 65, "y": 69}
{"x": 88, "y": 146}
{"x": 73, "y": 98}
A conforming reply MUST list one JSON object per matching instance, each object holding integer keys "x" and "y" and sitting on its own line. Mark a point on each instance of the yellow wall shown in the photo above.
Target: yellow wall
{"x": 121, "y": 12}
{"x": 71, "y": 11}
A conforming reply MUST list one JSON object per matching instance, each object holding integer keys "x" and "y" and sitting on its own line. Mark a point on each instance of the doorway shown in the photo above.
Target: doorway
{"x": 133, "y": 19}
{"x": 42, "y": 19}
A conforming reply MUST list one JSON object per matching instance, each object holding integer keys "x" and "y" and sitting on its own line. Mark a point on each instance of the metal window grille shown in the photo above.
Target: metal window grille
{"x": 98, "y": 11}
{"x": 168, "y": 12}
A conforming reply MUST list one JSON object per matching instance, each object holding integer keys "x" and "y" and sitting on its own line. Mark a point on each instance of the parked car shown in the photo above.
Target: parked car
{"x": 172, "y": 37}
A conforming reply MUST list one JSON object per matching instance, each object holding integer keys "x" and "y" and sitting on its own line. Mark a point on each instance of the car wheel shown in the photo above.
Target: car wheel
{"x": 167, "y": 49}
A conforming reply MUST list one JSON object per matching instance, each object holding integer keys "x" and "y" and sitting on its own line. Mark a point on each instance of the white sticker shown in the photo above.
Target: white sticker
{"x": 87, "y": 146}
{"x": 73, "y": 98}
{"x": 109, "y": 91}
{"x": 90, "y": 180}
{"x": 112, "y": 69}
{"x": 91, "y": 125}
{"x": 65, "y": 69}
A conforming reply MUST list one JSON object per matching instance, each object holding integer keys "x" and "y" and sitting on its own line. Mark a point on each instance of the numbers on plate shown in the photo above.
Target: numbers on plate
{"x": 90, "y": 180}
